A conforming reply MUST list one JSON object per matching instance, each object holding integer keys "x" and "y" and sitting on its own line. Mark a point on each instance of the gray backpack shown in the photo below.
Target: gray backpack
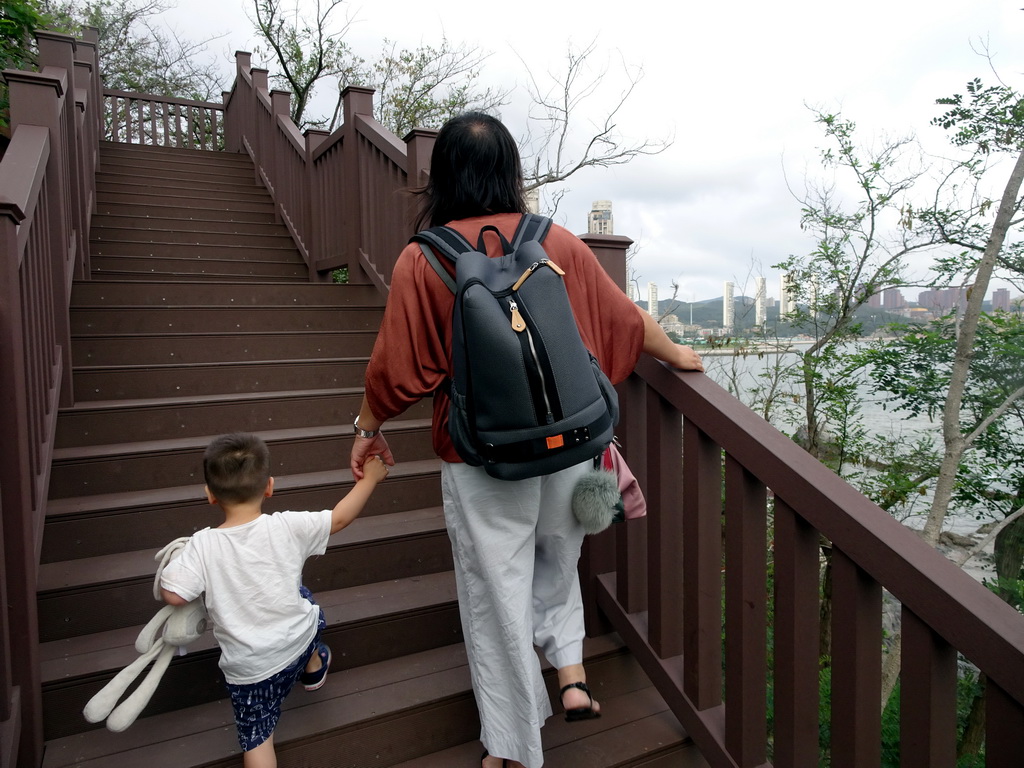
{"x": 527, "y": 397}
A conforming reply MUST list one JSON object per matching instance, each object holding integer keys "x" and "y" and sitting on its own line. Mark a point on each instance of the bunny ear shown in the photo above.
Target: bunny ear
{"x": 149, "y": 634}
{"x": 100, "y": 705}
{"x": 130, "y": 708}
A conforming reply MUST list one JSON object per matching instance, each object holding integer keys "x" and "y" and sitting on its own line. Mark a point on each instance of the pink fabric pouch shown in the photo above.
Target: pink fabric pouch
{"x": 607, "y": 494}
{"x": 633, "y": 502}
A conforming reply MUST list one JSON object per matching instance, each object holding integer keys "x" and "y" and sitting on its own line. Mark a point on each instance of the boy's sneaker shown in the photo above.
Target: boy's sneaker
{"x": 313, "y": 680}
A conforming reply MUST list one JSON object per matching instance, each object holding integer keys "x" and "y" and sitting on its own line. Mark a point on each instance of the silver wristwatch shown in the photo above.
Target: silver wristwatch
{"x": 360, "y": 432}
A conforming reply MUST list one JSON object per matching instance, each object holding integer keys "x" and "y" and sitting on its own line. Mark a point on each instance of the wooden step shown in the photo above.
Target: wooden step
{"x": 112, "y": 421}
{"x": 222, "y": 319}
{"x": 184, "y": 206}
{"x": 202, "y": 379}
{"x": 105, "y": 235}
{"x": 128, "y": 224}
{"x": 222, "y": 166}
{"x": 229, "y": 191}
{"x": 113, "y": 149}
{"x": 410, "y": 712}
{"x": 152, "y": 348}
{"x": 214, "y": 293}
{"x": 104, "y": 524}
{"x": 220, "y": 259}
{"x": 145, "y": 465}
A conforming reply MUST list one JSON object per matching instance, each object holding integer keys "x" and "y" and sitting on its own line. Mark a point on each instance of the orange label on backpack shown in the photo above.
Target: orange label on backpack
{"x": 556, "y": 441}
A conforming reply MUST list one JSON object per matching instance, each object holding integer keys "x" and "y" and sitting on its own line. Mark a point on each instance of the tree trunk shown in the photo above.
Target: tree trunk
{"x": 825, "y": 612}
{"x": 974, "y": 729}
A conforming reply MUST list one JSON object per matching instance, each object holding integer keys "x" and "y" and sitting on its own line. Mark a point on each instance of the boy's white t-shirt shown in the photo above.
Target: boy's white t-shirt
{"x": 251, "y": 576}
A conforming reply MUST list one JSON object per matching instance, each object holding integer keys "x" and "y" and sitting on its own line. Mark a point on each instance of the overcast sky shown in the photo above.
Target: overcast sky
{"x": 730, "y": 82}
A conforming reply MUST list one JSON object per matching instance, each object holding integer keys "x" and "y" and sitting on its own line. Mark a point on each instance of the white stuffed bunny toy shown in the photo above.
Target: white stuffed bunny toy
{"x": 180, "y": 625}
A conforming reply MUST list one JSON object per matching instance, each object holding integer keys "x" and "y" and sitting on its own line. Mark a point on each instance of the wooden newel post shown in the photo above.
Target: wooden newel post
{"x": 611, "y": 252}
{"x": 419, "y": 145}
{"x": 599, "y": 551}
{"x": 357, "y": 102}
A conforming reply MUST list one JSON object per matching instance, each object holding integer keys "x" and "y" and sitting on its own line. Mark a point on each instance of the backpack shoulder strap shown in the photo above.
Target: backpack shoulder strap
{"x": 436, "y": 264}
{"x": 531, "y": 227}
{"x": 445, "y": 241}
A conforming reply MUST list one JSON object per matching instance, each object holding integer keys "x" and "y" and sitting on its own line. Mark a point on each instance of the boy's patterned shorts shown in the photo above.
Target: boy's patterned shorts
{"x": 258, "y": 705}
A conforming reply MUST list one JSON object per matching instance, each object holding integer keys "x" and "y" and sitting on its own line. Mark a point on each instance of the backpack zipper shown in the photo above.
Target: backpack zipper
{"x": 549, "y": 416}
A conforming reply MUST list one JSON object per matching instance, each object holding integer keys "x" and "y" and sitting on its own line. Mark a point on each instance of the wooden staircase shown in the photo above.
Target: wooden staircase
{"x": 200, "y": 319}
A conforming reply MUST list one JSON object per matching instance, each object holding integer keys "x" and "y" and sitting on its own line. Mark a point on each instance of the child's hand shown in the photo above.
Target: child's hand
{"x": 375, "y": 469}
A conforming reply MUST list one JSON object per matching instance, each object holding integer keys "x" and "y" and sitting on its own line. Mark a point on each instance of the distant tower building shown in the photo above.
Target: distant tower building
{"x": 533, "y": 201}
{"x": 1001, "y": 299}
{"x": 787, "y": 298}
{"x": 631, "y": 290}
{"x": 892, "y": 299}
{"x": 600, "y": 220}
{"x": 652, "y": 300}
{"x": 875, "y": 301}
{"x": 760, "y": 297}
{"x": 728, "y": 309}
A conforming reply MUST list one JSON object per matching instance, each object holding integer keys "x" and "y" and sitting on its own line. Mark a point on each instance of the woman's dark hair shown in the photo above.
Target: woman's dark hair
{"x": 474, "y": 171}
{"x": 236, "y": 468}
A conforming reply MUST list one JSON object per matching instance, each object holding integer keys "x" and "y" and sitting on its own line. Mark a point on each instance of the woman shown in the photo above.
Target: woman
{"x": 516, "y": 544}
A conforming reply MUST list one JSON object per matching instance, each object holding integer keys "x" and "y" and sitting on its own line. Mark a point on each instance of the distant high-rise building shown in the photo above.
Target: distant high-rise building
{"x": 1001, "y": 299}
{"x": 875, "y": 301}
{"x": 760, "y": 296}
{"x": 728, "y": 310}
{"x": 600, "y": 220}
{"x": 892, "y": 299}
{"x": 533, "y": 201}
{"x": 631, "y": 290}
{"x": 652, "y": 300}
{"x": 787, "y": 296}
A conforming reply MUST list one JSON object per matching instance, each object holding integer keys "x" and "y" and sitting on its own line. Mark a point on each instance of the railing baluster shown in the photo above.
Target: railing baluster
{"x": 1004, "y": 728}
{"x": 166, "y": 115}
{"x": 665, "y": 527}
{"x": 631, "y": 538}
{"x": 702, "y": 567}
{"x": 746, "y": 596}
{"x": 927, "y": 696}
{"x": 797, "y": 564}
{"x": 857, "y": 665}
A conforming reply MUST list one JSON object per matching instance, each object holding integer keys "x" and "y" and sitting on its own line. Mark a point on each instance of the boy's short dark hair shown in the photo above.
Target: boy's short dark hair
{"x": 237, "y": 468}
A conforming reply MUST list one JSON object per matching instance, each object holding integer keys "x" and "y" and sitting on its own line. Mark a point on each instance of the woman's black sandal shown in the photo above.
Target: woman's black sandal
{"x": 579, "y": 713}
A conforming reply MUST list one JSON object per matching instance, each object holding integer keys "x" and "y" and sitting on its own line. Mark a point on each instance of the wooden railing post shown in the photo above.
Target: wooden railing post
{"x": 598, "y": 554}
{"x": 314, "y": 218}
{"x": 356, "y": 101}
{"x": 419, "y": 145}
{"x": 89, "y": 100}
{"x": 59, "y": 51}
{"x": 88, "y": 67}
{"x": 611, "y": 253}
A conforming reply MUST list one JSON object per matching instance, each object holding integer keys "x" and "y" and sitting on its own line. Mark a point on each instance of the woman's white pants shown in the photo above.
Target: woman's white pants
{"x": 516, "y": 546}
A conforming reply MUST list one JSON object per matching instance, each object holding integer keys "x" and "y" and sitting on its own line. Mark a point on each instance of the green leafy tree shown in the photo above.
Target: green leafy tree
{"x": 18, "y": 20}
{"x": 137, "y": 53}
{"x": 305, "y": 51}
{"x": 424, "y": 87}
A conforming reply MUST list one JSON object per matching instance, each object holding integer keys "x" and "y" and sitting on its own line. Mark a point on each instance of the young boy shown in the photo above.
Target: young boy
{"x": 250, "y": 567}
